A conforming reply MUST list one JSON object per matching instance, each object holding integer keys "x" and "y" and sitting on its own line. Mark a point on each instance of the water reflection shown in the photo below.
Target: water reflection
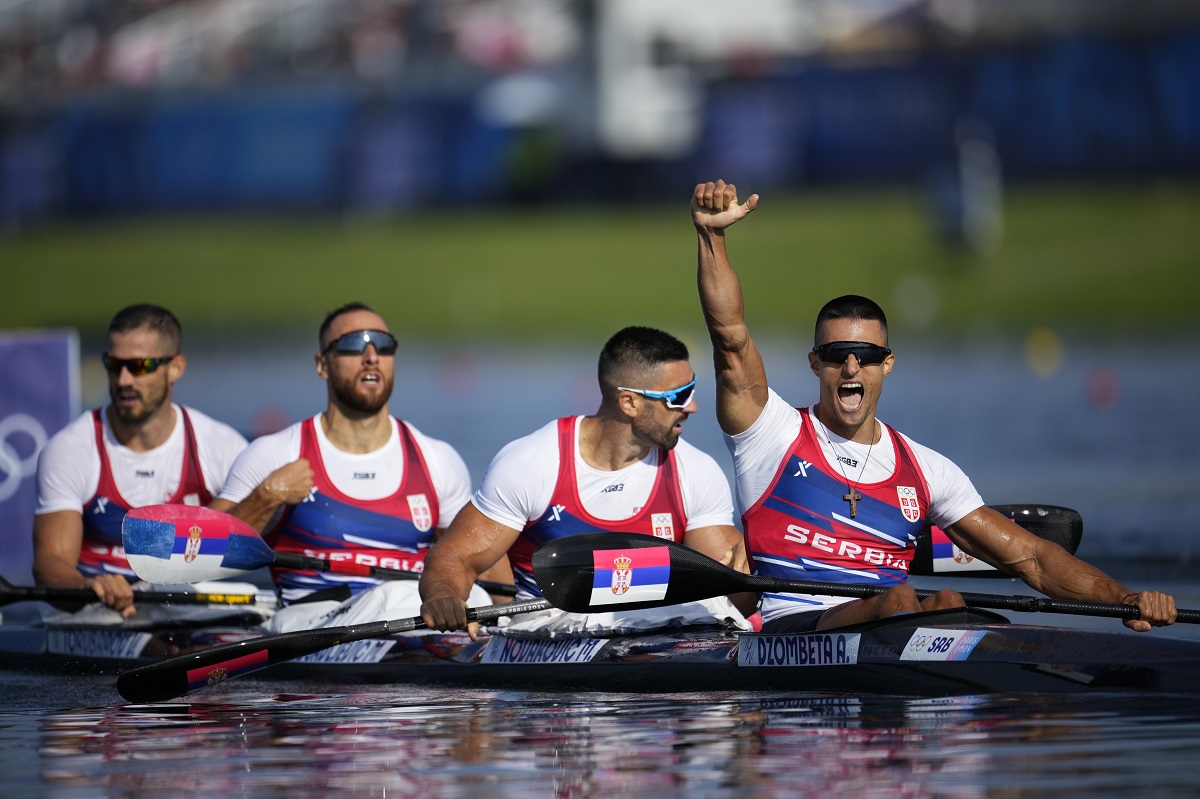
{"x": 435, "y": 743}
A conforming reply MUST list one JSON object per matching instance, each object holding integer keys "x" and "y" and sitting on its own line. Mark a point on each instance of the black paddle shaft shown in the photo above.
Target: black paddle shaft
{"x": 10, "y": 593}
{"x": 176, "y": 676}
{"x": 565, "y": 572}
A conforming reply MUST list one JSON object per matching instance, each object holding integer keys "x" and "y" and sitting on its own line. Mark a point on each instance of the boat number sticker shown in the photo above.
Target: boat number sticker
{"x": 811, "y": 649}
{"x": 931, "y": 643}
{"x": 508, "y": 650}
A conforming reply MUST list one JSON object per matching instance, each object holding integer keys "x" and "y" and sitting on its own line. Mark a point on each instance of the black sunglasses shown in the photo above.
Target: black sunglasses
{"x": 838, "y": 351}
{"x": 136, "y": 366}
{"x": 356, "y": 343}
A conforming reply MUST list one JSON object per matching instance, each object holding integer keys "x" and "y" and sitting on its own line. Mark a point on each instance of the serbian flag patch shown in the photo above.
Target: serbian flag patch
{"x": 627, "y": 576}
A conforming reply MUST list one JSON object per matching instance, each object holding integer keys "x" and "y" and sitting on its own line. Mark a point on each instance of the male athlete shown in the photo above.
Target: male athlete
{"x": 140, "y": 449}
{"x": 832, "y": 494}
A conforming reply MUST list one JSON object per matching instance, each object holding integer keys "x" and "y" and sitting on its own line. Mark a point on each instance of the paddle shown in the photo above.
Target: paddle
{"x": 188, "y": 544}
{"x": 182, "y": 674}
{"x": 10, "y": 593}
{"x": 936, "y": 555}
{"x": 597, "y": 572}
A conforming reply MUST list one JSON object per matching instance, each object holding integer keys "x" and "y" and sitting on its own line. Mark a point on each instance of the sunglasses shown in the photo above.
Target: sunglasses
{"x": 838, "y": 351}
{"x": 136, "y": 366}
{"x": 356, "y": 343}
{"x": 676, "y": 398}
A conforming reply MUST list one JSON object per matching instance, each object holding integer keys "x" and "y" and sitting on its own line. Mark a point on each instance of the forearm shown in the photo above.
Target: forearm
{"x": 446, "y": 574}
{"x": 1058, "y": 574}
{"x": 720, "y": 292}
{"x": 57, "y": 573}
{"x": 256, "y": 510}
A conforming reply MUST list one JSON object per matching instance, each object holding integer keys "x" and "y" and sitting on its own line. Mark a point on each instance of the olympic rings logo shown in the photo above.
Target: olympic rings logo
{"x": 13, "y": 468}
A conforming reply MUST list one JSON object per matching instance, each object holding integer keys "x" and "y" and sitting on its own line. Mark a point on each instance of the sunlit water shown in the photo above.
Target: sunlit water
{"x": 397, "y": 742}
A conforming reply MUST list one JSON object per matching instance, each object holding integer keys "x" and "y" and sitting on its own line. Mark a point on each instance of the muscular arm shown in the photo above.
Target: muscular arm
{"x": 472, "y": 545}
{"x": 57, "y": 542}
{"x": 740, "y": 375}
{"x": 724, "y": 544}
{"x": 290, "y": 484}
{"x": 1049, "y": 568}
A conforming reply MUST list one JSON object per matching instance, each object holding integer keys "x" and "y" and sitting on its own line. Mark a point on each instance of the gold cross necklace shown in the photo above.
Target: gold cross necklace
{"x": 852, "y": 496}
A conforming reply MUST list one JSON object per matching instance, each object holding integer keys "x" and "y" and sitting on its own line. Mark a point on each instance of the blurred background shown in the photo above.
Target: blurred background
{"x": 507, "y": 181}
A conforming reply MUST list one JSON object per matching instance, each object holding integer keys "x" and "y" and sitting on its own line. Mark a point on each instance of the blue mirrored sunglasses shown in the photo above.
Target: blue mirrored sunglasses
{"x": 838, "y": 351}
{"x": 356, "y": 343}
{"x": 676, "y": 398}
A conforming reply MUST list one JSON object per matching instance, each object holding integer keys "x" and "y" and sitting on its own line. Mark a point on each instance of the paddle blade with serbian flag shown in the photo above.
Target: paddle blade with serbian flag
{"x": 598, "y": 572}
{"x": 181, "y": 543}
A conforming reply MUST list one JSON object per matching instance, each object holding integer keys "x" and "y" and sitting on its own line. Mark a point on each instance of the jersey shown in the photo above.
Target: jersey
{"x": 382, "y": 508}
{"x": 785, "y": 446}
{"x": 85, "y": 469}
{"x": 662, "y": 515}
{"x": 802, "y": 528}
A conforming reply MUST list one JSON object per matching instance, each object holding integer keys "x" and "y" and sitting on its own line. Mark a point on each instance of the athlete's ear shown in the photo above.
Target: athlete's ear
{"x": 322, "y": 371}
{"x": 888, "y": 363}
{"x": 814, "y": 363}
{"x": 176, "y": 367}
{"x": 627, "y": 401}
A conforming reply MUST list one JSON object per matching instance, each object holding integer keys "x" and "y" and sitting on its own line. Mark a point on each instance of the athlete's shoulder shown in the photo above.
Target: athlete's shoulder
{"x": 206, "y": 426}
{"x": 81, "y": 427}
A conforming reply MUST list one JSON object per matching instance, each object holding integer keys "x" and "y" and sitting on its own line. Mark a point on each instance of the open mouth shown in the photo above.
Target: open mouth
{"x": 850, "y": 396}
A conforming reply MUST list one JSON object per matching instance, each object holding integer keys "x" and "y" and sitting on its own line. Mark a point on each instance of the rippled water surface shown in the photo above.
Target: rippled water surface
{"x": 396, "y": 742}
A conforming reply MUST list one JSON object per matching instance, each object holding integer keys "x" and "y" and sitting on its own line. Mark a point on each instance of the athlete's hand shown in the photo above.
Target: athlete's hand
{"x": 114, "y": 590}
{"x": 1156, "y": 608}
{"x": 448, "y": 613}
{"x": 735, "y": 558}
{"x": 715, "y": 205}
{"x": 290, "y": 484}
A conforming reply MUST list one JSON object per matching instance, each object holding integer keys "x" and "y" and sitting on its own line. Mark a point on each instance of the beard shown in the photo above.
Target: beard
{"x": 654, "y": 433}
{"x": 351, "y": 394}
{"x": 150, "y": 399}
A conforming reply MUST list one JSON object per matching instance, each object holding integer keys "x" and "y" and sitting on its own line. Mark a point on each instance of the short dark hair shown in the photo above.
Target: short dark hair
{"x": 151, "y": 317}
{"x": 850, "y": 306}
{"x": 335, "y": 313}
{"x": 633, "y": 351}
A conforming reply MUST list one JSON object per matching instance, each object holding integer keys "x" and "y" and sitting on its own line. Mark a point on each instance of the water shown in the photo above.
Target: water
{"x": 1110, "y": 432}
{"x": 398, "y": 743}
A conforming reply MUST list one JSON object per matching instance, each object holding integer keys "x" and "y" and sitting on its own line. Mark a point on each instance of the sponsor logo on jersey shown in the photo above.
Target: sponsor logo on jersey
{"x": 422, "y": 516}
{"x": 908, "y": 503}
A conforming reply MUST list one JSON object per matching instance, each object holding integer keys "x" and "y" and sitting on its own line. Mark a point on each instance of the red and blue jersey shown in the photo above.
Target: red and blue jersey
{"x": 662, "y": 515}
{"x": 801, "y": 528}
{"x": 102, "y": 551}
{"x": 394, "y": 532}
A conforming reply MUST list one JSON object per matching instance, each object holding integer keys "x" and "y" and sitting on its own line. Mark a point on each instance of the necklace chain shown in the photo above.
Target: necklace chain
{"x": 852, "y": 496}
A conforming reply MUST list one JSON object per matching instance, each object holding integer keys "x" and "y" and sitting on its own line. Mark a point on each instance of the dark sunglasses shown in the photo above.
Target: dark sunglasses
{"x": 136, "y": 366}
{"x": 356, "y": 343}
{"x": 677, "y": 398}
{"x": 838, "y": 351}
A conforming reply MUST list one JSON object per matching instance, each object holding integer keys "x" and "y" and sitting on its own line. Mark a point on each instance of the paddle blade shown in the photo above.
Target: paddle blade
{"x": 937, "y": 555}
{"x": 188, "y": 544}
{"x": 599, "y": 572}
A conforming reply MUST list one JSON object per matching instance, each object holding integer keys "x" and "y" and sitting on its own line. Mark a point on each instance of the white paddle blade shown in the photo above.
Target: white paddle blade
{"x": 187, "y": 544}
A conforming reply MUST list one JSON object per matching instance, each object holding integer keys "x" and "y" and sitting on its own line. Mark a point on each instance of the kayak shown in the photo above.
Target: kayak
{"x": 941, "y": 653}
